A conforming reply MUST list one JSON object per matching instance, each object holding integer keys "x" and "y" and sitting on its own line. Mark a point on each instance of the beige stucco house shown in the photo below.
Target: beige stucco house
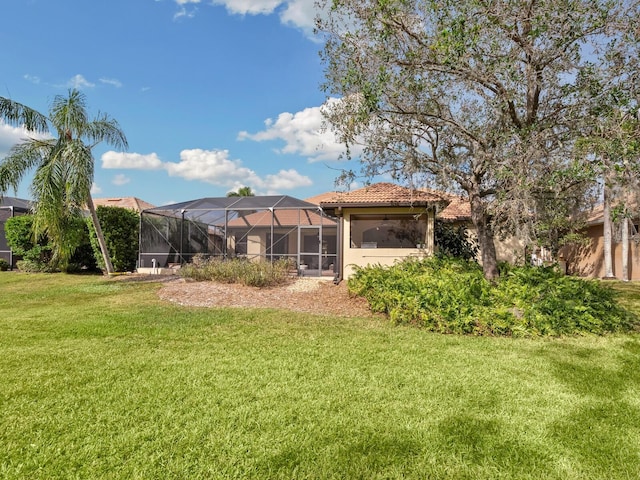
{"x": 587, "y": 259}
{"x": 382, "y": 223}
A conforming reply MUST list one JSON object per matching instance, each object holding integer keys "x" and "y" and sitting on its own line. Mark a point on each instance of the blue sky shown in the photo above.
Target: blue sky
{"x": 211, "y": 95}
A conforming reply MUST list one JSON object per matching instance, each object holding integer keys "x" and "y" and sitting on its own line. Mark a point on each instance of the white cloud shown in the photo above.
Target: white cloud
{"x": 210, "y": 166}
{"x": 251, "y": 7}
{"x": 32, "y": 78}
{"x": 9, "y": 136}
{"x": 304, "y": 133}
{"x": 95, "y": 189}
{"x": 286, "y": 180}
{"x": 78, "y": 81}
{"x": 120, "y": 179}
{"x": 297, "y": 13}
{"x": 183, "y": 12}
{"x": 301, "y": 14}
{"x": 135, "y": 161}
{"x": 111, "y": 81}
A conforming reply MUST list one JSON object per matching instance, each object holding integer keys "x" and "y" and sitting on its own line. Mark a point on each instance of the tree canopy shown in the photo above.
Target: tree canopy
{"x": 241, "y": 192}
{"x": 487, "y": 97}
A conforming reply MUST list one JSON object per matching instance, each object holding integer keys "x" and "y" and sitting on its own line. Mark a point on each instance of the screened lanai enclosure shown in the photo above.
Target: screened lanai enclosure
{"x": 10, "y": 207}
{"x": 256, "y": 228}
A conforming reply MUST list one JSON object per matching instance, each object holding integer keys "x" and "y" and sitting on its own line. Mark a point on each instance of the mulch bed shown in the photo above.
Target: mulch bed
{"x": 308, "y": 295}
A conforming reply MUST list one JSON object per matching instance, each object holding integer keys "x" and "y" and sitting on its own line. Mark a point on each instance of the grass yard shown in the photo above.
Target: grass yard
{"x": 100, "y": 380}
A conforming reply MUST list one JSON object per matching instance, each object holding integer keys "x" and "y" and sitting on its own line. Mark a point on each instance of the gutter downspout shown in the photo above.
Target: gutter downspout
{"x": 339, "y": 251}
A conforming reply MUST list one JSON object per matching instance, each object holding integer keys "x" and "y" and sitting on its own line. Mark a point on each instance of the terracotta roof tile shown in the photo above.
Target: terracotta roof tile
{"x": 383, "y": 194}
{"x": 132, "y": 203}
{"x": 323, "y": 197}
{"x": 458, "y": 210}
{"x": 283, "y": 217}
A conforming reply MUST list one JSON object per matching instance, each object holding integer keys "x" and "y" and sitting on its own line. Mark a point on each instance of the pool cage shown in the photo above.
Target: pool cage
{"x": 252, "y": 228}
{"x": 10, "y": 207}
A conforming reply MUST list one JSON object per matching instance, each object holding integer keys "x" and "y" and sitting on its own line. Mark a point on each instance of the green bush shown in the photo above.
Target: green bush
{"x": 4, "y": 265}
{"x": 120, "y": 227}
{"x": 35, "y": 254}
{"x": 255, "y": 274}
{"x": 451, "y": 296}
{"x": 454, "y": 241}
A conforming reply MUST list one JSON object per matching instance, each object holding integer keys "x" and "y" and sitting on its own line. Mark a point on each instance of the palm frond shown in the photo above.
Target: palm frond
{"x": 22, "y": 158}
{"x": 20, "y": 115}
{"x": 69, "y": 114}
{"x": 106, "y": 129}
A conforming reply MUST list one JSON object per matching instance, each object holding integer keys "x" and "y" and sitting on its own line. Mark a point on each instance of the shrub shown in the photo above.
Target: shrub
{"x": 4, "y": 265}
{"x": 35, "y": 253}
{"x": 451, "y": 296}
{"x": 255, "y": 274}
{"x": 120, "y": 227}
{"x": 36, "y": 256}
{"x": 455, "y": 241}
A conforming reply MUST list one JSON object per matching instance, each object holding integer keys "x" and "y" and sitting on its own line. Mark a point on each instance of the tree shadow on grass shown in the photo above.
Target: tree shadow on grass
{"x": 461, "y": 447}
{"x": 601, "y": 434}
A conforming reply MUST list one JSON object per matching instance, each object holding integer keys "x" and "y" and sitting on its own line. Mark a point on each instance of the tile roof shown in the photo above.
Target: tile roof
{"x": 458, "y": 210}
{"x": 132, "y": 203}
{"x": 383, "y": 194}
{"x": 323, "y": 197}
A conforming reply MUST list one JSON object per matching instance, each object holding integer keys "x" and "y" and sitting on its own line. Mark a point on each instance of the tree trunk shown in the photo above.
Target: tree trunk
{"x": 625, "y": 249}
{"x": 607, "y": 236}
{"x": 101, "y": 241}
{"x": 485, "y": 237}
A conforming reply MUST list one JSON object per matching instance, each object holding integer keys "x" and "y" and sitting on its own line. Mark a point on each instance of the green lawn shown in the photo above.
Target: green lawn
{"x": 99, "y": 379}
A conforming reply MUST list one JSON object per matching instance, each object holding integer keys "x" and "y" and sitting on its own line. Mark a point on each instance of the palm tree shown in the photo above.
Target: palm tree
{"x": 64, "y": 165}
{"x": 242, "y": 192}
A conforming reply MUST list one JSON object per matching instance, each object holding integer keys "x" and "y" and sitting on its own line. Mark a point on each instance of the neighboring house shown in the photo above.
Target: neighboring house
{"x": 587, "y": 260}
{"x": 10, "y": 207}
{"x": 132, "y": 203}
{"x": 458, "y": 212}
{"x": 304, "y": 236}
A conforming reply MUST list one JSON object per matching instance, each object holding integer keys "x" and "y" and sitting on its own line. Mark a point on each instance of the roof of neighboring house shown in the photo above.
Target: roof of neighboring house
{"x": 132, "y": 203}
{"x": 283, "y": 218}
{"x": 458, "y": 210}
{"x": 17, "y": 203}
{"x": 323, "y": 197}
{"x": 382, "y": 194}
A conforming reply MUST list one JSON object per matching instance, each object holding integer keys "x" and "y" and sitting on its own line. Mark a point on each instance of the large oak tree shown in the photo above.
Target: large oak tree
{"x": 482, "y": 96}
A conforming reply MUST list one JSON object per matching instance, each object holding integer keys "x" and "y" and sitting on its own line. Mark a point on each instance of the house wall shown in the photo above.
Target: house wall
{"x": 510, "y": 249}
{"x": 587, "y": 260}
{"x": 384, "y": 256}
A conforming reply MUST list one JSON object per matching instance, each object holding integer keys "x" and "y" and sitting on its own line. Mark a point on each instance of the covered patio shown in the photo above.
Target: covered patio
{"x": 252, "y": 228}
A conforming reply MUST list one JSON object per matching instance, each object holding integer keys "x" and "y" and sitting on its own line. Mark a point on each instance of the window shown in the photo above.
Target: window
{"x": 388, "y": 231}
{"x": 280, "y": 244}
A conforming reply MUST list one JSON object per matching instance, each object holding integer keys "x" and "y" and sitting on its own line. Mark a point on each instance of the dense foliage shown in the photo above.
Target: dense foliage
{"x": 255, "y": 274}
{"x": 36, "y": 254}
{"x": 121, "y": 229}
{"x": 452, "y": 296}
{"x": 455, "y": 241}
